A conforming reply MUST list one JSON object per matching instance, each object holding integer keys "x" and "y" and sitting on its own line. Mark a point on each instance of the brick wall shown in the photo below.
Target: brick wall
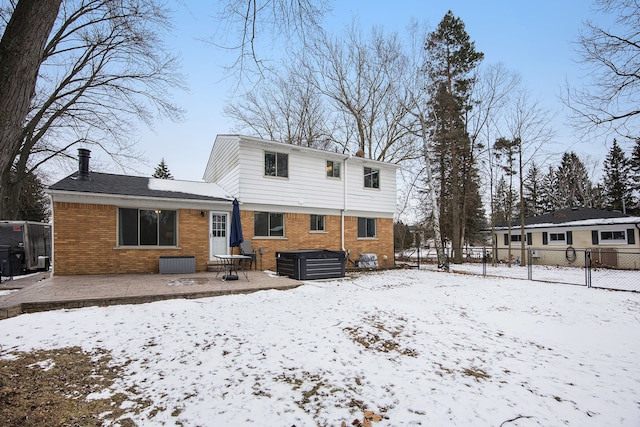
{"x": 298, "y": 236}
{"x": 85, "y": 241}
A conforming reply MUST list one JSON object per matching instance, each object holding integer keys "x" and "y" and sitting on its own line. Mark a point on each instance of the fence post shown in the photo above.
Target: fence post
{"x": 484, "y": 261}
{"x": 587, "y": 267}
{"x": 529, "y": 264}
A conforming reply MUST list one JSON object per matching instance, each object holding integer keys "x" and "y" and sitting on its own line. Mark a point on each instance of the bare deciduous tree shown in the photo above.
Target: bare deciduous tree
{"x": 362, "y": 79}
{"x": 528, "y": 126}
{"x": 243, "y": 25}
{"x": 288, "y": 109}
{"x": 103, "y": 68}
{"x": 26, "y": 28}
{"x": 612, "y": 59}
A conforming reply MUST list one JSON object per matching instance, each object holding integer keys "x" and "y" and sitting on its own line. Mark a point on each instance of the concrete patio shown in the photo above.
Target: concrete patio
{"x": 41, "y": 292}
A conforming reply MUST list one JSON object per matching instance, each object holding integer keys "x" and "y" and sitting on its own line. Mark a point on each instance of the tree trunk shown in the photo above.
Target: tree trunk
{"x": 523, "y": 236}
{"x": 21, "y": 54}
{"x": 435, "y": 207}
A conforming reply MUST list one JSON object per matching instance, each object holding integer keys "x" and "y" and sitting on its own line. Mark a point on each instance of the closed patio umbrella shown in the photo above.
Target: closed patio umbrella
{"x": 236, "y": 226}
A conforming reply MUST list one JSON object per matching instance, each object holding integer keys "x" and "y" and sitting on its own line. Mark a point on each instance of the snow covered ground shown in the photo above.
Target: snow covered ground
{"x": 416, "y": 347}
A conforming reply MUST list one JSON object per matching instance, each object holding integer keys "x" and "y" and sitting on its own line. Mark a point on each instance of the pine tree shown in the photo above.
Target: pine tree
{"x": 33, "y": 204}
{"x": 634, "y": 174}
{"x": 549, "y": 191}
{"x": 451, "y": 59}
{"x": 162, "y": 171}
{"x": 533, "y": 196}
{"x": 616, "y": 181}
{"x": 574, "y": 184}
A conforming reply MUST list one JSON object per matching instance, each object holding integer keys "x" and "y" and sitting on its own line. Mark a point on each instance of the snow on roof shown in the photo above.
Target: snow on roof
{"x": 583, "y": 223}
{"x": 209, "y": 189}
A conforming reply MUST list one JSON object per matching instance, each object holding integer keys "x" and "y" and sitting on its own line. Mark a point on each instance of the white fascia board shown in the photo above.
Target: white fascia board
{"x": 137, "y": 201}
{"x": 255, "y": 207}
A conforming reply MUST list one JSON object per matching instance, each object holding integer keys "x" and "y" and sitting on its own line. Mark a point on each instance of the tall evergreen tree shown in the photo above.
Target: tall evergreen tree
{"x": 574, "y": 184}
{"x": 616, "y": 181}
{"x": 634, "y": 174}
{"x": 549, "y": 191}
{"x": 451, "y": 59}
{"x": 503, "y": 210}
{"x": 533, "y": 196}
{"x": 33, "y": 204}
{"x": 162, "y": 171}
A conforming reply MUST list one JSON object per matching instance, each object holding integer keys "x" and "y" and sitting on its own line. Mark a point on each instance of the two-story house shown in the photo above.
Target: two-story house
{"x": 295, "y": 197}
{"x": 291, "y": 198}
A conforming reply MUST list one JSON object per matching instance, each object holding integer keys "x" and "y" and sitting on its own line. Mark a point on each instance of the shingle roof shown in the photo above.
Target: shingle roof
{"x": 573, "y": 214}
{"x": 105, "y": 183}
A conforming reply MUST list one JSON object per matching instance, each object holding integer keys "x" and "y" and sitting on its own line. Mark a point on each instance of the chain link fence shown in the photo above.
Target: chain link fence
{"x": 595, "y": 267}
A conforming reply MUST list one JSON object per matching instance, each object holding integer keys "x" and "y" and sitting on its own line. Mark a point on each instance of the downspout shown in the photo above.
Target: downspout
{"x": 344, "y": 203}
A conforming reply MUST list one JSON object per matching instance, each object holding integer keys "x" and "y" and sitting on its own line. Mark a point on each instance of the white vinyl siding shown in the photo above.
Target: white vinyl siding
{"x": 307, "y": 188}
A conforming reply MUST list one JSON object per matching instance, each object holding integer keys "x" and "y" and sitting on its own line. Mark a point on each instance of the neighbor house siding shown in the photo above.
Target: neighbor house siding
{"x": 581, "y": 238}
{"x": 85, "y": 241}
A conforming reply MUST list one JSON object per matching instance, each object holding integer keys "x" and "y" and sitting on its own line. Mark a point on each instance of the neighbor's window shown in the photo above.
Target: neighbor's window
{"x": 147, "y": 227}
{"x": 276, "y": 164}
{"x": 557, "y": 237}
{"x": 268, "y": 224}
{"x": 613, "y": 236}
{"x": 333, "y": 169}
{"x": 371, "y": 177}
{"x": 317, "y": 223}
{"x": 516, "y": 238}
{"x": 366, "y": 227}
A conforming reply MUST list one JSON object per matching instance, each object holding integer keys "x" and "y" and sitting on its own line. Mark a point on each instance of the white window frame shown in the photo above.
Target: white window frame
{"x": 319, "y": 219}
{"x": 173, "y": 229}
{"x": 269, "y": 228}
{"x": 372, "y": 177}
{"x": 366, "y": 227}
{"x": 277, "y": 172}
{"x": 333, "y": 166}
{"x": 612, "y": 240}
{"x": 556, "y": 241}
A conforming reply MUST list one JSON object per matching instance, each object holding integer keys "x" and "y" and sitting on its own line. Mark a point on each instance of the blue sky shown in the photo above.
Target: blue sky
{"x": 534, "y": 38}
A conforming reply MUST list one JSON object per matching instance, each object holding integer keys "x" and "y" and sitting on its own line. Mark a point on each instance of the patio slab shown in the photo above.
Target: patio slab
{"x": 42, "y": 292}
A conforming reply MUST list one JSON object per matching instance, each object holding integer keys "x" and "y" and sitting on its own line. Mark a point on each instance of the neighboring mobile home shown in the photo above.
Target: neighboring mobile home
{"x": 291, "y": 198}
{"x": 611, "y": 237}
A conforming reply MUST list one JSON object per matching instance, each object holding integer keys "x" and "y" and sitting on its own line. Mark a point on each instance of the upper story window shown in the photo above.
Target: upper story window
{"x": 371, "y": 177}
{"x": 317, "y": 223}
{"x": 147, "y": 227}
{"x": 276, "y": 164}
{"x": 333, "y": 169}
{"x": 557, "y": 238}
{"x": 268, "y": 224}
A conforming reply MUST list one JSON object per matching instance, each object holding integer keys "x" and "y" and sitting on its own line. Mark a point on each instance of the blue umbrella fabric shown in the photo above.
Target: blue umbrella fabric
{"x": 236, "y": 226}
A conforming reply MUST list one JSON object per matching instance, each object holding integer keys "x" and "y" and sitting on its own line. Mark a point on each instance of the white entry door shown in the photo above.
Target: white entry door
{"x": 218, "y": 231}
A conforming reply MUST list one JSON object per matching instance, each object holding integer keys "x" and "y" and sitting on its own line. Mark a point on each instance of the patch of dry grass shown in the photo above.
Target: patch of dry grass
{"x": 50, "y": 387}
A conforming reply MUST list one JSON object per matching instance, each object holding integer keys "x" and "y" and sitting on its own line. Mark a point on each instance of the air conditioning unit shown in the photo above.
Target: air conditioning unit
{"x": 535, "y": 253}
